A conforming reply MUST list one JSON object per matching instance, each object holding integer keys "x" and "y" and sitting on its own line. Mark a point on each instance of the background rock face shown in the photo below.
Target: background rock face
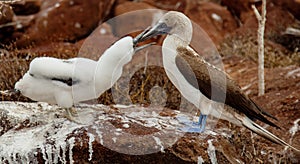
{"x": 66, "y": 20}
{"x": 292, "y": 5}
{"x": 6, "y": 14}
{"x": 216, "y": 20}
{"x": 146, "y": 132}
{"x": 6, "y": 17}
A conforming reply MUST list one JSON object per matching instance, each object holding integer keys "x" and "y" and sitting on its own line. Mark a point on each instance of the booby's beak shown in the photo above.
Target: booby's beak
{"x": 159, "y": 29}
{"x": 138, "y": 38}
{"x": 136, "y": 49}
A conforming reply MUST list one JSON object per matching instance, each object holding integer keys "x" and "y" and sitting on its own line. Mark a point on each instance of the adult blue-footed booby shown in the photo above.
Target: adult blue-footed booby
{"x": 206, "y": 86}
{"x": 65, "y": 82}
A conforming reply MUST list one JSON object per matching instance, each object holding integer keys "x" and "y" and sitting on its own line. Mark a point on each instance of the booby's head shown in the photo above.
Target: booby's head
{"x": 172, "y": 23}
{"x": 24, "y": 85}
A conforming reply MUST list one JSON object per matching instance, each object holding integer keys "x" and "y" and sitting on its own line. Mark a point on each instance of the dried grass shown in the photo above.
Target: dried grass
{"x": 275, "y": 54}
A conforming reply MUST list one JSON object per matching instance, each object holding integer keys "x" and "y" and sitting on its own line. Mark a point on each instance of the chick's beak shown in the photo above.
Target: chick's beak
{"x": 16, "y": 91}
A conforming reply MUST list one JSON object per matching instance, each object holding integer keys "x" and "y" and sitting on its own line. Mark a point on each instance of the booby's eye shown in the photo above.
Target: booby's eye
{"x": 164, "y": 28}
{"x": 163, "y": 25}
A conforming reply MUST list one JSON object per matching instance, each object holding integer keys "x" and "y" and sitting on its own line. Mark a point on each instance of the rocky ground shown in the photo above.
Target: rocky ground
{"x": 147, "y": 132}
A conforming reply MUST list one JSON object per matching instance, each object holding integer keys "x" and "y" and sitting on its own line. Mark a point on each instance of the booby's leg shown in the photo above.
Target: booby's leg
{"x": 202, "y": 122}
{"x": 74, "y": 112}
{"x": 199, "y": 121}
{"x": 200, "y": 125}
{"x": 71, "y": 113}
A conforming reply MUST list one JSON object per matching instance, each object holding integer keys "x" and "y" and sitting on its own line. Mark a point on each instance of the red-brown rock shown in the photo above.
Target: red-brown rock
{"x": 128, "y": 21}
{"x": 215, "y": 20}
{"x": 96, "y": 43}
{"x": 238, "y": 7}
{"x": 278, "y": 20}
{"x": 6, "y": 16}
{"x": 66, "y": 20}
{"x": 118, "y": 2}
{"x": 26, "y": 7}
{"x": 178, "y": 5}
{"x": 292, "y": 5}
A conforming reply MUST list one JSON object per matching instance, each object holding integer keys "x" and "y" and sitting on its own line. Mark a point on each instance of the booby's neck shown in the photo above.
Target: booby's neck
{"x": 170, "y": 45}
{"x": 110, "y": 65}
{"x": 173, "y": 41}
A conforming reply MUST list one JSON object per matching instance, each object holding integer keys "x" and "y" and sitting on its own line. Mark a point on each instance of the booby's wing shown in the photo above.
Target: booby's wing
{"x": 216, "y": 85}
{"x": 64, "y": 73}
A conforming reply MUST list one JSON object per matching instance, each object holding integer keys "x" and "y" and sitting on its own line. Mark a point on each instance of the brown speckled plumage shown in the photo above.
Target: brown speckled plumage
{"x": 217, "y": 85}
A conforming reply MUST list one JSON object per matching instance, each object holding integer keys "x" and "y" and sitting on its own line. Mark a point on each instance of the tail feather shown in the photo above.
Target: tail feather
{"x": 264, "y": 133}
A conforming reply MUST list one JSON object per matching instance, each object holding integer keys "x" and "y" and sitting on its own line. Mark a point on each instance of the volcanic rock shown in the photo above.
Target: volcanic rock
{"x": 66, "y": 20}
{"x": 26, "y": 7}
{"x": 6, "y": 17}
{"x": 215, "y": 20}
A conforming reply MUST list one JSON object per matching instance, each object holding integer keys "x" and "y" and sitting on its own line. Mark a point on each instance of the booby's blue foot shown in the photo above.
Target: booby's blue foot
{"x": 192, "y": 126}
{"x": 202, "y": 121}
{"x": 184, "y": 120}
{"x": 191, "y": 129}
{"x": 201, "y": 117}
